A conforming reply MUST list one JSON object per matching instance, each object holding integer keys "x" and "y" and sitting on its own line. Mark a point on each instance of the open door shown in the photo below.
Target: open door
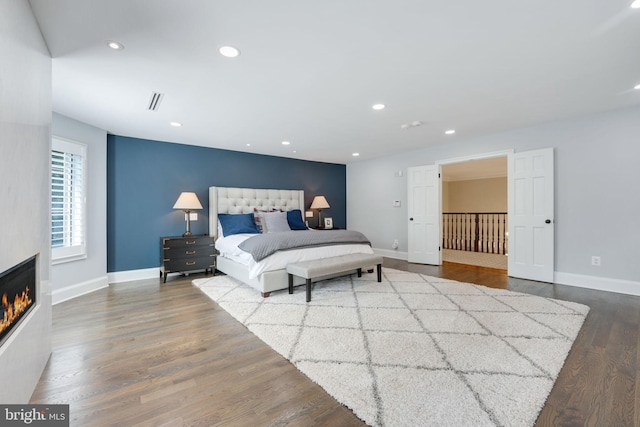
{"x": 530, "y": 211}
{"x": 423, "y": 205}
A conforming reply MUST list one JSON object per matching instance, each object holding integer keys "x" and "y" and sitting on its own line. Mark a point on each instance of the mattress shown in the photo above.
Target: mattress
{"x": 228, "y": 248}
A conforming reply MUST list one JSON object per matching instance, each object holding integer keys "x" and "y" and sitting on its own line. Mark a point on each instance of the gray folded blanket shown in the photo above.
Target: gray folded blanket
{"x": 261, "y": 246}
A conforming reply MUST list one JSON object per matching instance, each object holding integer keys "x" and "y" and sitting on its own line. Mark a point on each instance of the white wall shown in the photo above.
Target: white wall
{"x": 71, "y": 279}
{"x": 475, "y": 195}
{"x": 597, "y": 205}
{"x": 25, "y": 126}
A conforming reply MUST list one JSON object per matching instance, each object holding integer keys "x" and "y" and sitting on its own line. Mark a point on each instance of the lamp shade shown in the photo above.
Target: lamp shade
{"x": 187, "y": 201}
{"x": 319, "y": 202}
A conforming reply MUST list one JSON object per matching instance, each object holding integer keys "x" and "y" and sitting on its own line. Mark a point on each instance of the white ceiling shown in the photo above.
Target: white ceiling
{"x": 309, "y": 71}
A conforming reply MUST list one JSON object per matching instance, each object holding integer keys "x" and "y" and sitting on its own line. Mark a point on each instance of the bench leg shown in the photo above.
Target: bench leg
{"x": 379, "y": 268}
{"x": 359, "y": 272}
{"x": 290, "y": 283}
{"x": 308, "y": 290}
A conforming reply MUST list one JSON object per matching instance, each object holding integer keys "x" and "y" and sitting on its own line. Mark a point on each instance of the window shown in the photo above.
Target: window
{"x": 68, "y": 201}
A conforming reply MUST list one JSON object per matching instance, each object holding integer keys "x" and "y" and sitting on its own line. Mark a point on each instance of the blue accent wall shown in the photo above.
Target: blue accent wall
{"x": 145, "y": 178}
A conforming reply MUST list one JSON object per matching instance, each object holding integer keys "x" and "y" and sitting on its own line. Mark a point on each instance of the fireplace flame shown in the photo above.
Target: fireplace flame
{"x": 12, "y": 311}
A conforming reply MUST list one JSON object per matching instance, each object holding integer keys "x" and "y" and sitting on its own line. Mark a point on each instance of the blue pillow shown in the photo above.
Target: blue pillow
{"x": 238, "y": 224}
{"x": 294, "y": 218}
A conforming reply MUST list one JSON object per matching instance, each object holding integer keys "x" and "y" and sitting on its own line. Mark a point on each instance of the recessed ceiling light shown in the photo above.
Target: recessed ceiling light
{"x": 248, "y": 145}
{"x": 229, "y": 51}
{"x": 450, "y": 132}
{"x": 285, "y": 143}
{"x": 355, "y": 154}
{"x": 378, "y": 106}
{"x": 115, "y": 45}
{"x": 636, "y": 4}
{"x": 176, "y": 124}
{"x": 637, "y": 86}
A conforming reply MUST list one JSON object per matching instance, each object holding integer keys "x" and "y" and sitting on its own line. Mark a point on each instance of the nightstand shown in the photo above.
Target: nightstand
{"x": 184, "y": 254}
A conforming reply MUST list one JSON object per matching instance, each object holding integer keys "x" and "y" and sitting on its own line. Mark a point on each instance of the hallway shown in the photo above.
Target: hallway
{"x": 479, "y": 259}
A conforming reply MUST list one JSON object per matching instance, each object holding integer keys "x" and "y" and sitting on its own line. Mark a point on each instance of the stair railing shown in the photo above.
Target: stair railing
{"x": 485, "y": 232}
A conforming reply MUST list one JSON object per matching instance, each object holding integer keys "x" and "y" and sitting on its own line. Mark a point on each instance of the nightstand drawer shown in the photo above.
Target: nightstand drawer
{"x": 174, "y": 253}
{"x": 186, "y": 242}
{"x": 200, "y": 263}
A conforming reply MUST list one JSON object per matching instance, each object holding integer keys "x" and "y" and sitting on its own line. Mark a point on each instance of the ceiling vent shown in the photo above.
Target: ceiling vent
{"x": 154, "y": 102}
{"x": 414, "y": 124}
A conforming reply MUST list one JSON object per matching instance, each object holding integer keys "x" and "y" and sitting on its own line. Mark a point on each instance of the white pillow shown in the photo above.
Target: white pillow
{"x": 276, "y": 222}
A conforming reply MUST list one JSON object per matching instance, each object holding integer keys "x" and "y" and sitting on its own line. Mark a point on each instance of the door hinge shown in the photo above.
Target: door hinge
{"x": 438, "y": 175}
{"x": 438, "y": 248}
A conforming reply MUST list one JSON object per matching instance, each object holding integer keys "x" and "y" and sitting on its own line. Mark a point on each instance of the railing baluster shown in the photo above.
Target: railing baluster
{"x": 493, "y": 234}
{"x": 477, "y": 237}
{"x": 453, "y": 232}
{"x": 460, "y": 226}
{"x": 483, "y": 232}
{"x": 464, "y": 221}
{"x": 444, "y": 232}
{"x": 490, "y": 233}
{"x": 470, "y": 225}
{"x": 502, "y": 236}
{"x": 475, "y": 231}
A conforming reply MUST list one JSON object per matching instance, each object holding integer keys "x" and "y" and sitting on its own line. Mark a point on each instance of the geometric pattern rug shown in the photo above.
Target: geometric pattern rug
{"x": 415, "y": 350}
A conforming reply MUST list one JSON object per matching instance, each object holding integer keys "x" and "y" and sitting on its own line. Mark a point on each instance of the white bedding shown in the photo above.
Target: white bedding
{"x": 228, "y": 248}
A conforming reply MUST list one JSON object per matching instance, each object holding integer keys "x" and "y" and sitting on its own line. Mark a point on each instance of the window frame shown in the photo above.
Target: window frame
{"x": 78, "y": 251}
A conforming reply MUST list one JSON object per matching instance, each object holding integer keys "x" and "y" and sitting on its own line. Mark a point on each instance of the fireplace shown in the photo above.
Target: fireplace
{"x": 17, "y": 295}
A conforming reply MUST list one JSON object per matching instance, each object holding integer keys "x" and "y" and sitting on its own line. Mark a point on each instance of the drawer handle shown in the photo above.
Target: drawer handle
{"x": 191, "y": 263}
{"x": 189, "y": 252}
{"x": 192, "y": 242}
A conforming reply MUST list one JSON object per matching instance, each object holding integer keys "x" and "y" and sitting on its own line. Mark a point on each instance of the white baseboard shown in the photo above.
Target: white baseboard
{"x": 391, "y": 254}
{"x": 599, "y": 283}
{"x": 73, "y": 291}
{"x": 607, "y": 284}
{"x": 628, "y": 287}
{"x": 129, "y": 275}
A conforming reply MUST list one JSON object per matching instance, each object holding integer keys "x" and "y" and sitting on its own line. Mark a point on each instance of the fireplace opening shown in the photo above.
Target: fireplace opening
{"x": 17, "y": 295}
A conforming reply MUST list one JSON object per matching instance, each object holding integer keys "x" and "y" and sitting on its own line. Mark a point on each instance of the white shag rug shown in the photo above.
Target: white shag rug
{"x": 415, "y": 350}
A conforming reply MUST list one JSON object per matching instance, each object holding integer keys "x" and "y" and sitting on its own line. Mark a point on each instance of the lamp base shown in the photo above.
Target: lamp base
{"x": 188, "y": 232}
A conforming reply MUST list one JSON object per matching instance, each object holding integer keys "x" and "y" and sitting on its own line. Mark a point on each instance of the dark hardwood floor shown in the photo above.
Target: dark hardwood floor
{"x": 146, "y": 353}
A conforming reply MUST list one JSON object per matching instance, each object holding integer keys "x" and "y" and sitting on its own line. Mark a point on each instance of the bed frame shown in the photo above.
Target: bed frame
{"x": 243, "y": 200}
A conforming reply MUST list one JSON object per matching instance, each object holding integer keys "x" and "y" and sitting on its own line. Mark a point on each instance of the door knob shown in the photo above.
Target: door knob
{"x": 548, "y": 221}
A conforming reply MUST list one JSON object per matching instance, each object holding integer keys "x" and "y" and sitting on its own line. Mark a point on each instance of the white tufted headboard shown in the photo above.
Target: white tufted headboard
{"x": 244, "y": 200}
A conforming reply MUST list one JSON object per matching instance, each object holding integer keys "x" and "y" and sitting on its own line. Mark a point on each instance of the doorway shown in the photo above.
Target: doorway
{"x": 474, "y": 212}
{"x": 530, "y": 200}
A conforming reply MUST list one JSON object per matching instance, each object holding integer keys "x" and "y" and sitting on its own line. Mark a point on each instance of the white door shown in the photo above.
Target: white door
{"x": 530, "y": 215}
{"x": 423, "y": 205}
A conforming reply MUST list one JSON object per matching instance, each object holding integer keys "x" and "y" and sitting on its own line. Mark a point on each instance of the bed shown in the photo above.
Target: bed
{"x": 268, "y": 274}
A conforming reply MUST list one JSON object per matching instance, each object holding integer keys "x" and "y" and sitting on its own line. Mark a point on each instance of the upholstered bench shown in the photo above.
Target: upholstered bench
{"x": 330, "y": 266}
